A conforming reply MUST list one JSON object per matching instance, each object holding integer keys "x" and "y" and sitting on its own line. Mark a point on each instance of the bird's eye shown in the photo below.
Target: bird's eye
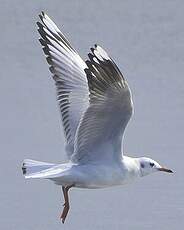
{"x": 151, "y": 164}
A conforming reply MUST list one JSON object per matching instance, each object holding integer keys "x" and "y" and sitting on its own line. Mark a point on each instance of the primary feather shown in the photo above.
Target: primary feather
{"x": 67, "y": 69}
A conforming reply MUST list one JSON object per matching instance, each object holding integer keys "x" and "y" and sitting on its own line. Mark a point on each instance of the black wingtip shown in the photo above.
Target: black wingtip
{"x": 42, "y": 15}
{"x": 24, "y": 171}
{"x": 92, "y": 50}
{"x": 90, "y": 56}
{"x": 87, "y": 71}
{"x": 42, "y": 42}
{"x": 40, "y": 26}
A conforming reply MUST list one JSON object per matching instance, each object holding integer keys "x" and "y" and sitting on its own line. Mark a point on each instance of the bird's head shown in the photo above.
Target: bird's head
{"x": 148, "y": 166}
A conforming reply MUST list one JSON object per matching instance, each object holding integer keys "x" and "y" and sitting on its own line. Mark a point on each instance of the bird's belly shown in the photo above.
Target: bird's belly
{"x": 96, "y": 176}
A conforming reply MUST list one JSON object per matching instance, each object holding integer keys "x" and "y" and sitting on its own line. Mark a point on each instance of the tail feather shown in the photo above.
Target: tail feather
{"x": 32, "y": 166}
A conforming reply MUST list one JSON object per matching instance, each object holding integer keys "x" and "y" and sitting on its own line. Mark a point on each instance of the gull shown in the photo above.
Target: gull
{"x": 96, "y": 105}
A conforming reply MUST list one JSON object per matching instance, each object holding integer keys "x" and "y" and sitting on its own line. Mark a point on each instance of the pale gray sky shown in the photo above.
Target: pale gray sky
{"x": 145, "y": 38}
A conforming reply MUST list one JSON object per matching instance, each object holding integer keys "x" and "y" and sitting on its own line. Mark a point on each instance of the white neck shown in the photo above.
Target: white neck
{"x": 132, "y": 166}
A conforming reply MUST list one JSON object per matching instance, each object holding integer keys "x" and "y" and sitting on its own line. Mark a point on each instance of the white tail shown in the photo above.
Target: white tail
{"x": 32, "y": 166}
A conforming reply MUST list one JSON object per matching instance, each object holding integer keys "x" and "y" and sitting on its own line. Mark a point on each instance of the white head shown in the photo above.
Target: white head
{"x": 148, "y": 166}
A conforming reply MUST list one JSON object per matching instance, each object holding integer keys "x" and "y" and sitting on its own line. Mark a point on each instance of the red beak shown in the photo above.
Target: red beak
{"x": 165, "y": 170}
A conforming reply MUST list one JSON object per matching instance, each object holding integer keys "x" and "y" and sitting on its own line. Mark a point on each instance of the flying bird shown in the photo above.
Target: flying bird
{"x": 96, "y": 104}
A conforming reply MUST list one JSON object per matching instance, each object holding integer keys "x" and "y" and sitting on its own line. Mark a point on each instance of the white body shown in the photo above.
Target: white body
{"x": 90, "y": 175}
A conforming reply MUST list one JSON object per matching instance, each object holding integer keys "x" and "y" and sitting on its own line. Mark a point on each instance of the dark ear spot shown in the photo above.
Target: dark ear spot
{"x": 151, "y": 164}
{"x": 142, "y": 165}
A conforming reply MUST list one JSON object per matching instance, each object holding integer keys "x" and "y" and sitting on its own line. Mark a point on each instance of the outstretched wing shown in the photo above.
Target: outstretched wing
{"x": 100, "y": 132}
{"x": 67, "y": 69}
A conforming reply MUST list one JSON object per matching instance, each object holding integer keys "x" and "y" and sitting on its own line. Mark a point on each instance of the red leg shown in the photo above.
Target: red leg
{"x": 66, "y": 204}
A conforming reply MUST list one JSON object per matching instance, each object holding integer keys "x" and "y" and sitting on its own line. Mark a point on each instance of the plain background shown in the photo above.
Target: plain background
{"x": 145, "y": 38}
